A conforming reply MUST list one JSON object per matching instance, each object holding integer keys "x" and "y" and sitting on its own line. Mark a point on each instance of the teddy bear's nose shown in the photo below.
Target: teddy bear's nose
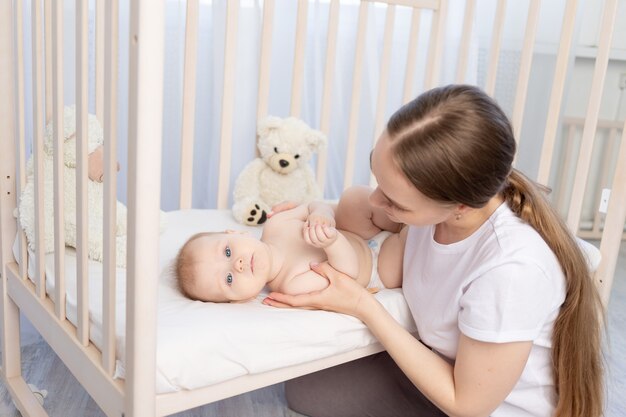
{"x": 283, "y": 163}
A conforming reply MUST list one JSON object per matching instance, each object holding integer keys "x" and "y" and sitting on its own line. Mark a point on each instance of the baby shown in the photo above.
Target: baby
{"x": 352, "y": 236}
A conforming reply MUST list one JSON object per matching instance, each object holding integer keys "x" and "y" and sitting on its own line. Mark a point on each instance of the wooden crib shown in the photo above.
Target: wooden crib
{"x": 94, "y": 367}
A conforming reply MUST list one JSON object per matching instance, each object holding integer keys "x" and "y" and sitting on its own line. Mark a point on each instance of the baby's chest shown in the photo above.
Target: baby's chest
{"x": 297, "y": 254}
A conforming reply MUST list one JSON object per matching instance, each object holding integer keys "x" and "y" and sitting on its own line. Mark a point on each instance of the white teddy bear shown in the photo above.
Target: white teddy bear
{"x": 95, "y": 192}
{"x": 281, "y": 173}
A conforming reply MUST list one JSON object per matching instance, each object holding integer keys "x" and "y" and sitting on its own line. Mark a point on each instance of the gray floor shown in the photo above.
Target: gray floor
{"x": 67, "y": 398}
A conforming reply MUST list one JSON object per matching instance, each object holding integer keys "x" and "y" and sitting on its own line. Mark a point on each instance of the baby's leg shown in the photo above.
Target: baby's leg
{"x": 355, "y": 214}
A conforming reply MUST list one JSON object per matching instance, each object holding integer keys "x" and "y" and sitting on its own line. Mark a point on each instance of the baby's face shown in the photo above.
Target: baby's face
{"x": 229, "y": 266}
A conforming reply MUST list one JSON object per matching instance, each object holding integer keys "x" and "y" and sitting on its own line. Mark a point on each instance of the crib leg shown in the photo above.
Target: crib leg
{"x": 23, "y": 397}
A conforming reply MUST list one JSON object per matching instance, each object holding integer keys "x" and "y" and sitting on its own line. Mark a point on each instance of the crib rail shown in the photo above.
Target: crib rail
{"x": 566, "y": 158}
{"x": 93, "y": 367}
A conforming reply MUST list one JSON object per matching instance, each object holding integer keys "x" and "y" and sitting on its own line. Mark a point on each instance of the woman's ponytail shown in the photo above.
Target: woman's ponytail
{"x": 576, "y": 339}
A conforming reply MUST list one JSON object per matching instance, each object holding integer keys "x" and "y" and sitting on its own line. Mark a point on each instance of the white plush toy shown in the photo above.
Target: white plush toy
{"x": 281, "y": 173}
{"x": 95, "y": 192}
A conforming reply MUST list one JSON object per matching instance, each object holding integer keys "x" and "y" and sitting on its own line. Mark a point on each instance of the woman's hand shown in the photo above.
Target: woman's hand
{"x": 283, "y": 206}
{"x": 343, "y": 294}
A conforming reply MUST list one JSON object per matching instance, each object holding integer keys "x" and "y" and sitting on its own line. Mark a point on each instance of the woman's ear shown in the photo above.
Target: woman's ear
{"x": 462, "y": 209}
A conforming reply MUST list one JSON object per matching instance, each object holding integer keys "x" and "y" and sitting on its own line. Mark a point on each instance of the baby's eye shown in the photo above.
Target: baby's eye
{"x": 296, "y": 156}
{"x": 276, "y": 149}
{"x": 227, "y": 252}
{"x": 229, "y": 279}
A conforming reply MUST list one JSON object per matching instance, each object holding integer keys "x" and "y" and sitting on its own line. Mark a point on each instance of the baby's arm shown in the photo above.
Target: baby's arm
{"x": 321, "y": 213}
{"x": 340, "y": 253}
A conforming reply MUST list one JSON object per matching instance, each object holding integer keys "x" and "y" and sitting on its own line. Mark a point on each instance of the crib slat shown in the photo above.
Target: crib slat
{"x": 329, "y": 72}
{"x": 466, "y": 37}
{"x": 110, "y": 187}
{"x": 494, "y": 53}
{"x": 100, "y": 59}
{"x": 145, "y": 121}
{"x": 189, "y": 105}
{"x": 556, "y": 96}
{"x": 9, "y": 189}
{"x": 568, "y": 152}
{"x": 59, "y": 138}
{"x": 356, "y": 96}
{"x": 435, "y": 49}
{"x": 524, "y": 68}
{"x": 298, "y": 61}
{"x": 383, "y": 79}
{"x": 82, "y": 242}
{"x": 613, "y": 226}
{"x": 409, "y": 74}
{"x": 19, "y": 137}
{"x": 38, "y": 151}
{"x": 47, "y": 11}
{"x": 264, "y": 61}
{"x": 228, "y": 98}
{"x": 593, "y": 110}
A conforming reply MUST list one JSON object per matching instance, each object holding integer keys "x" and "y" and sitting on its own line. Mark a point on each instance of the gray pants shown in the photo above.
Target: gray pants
{"x": 373, "y": 386}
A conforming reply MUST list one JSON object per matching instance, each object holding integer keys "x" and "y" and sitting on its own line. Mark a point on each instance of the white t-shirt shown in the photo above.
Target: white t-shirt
{"x": 501, "y": 284}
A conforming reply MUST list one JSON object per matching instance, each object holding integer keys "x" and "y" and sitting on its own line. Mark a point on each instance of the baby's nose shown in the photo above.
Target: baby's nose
{"x": 239, "y": 264}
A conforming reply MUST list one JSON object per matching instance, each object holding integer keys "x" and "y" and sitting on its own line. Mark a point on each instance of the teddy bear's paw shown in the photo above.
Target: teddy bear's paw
{"x": 255, "y": 215}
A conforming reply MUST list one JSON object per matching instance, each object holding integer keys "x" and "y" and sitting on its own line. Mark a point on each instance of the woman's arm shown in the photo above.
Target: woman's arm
{"x": 481, "y": 378}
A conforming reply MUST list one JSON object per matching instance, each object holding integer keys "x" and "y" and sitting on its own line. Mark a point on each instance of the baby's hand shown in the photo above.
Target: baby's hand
{"x": 317, "y": 218}
{"x": 319, "y": 236}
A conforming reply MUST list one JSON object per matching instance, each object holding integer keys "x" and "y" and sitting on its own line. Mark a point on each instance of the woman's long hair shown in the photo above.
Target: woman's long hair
{"x": 456, "y": 146}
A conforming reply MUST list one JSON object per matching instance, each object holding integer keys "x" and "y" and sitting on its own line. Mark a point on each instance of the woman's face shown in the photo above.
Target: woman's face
{"x": 395, "y": 194}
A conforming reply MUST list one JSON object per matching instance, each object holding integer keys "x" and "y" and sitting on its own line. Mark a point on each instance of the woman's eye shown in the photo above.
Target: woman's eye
{"x": 229, "y": 279}
{"x": 227, "y": 252}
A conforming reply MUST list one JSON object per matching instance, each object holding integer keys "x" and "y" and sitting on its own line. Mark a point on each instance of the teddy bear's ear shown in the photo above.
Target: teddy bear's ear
{"x": 316, "y": 140}
{"x": 267, "y": 124}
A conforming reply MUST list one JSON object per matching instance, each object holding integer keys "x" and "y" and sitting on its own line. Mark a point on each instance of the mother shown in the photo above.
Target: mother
{"x": 505, "y": 308}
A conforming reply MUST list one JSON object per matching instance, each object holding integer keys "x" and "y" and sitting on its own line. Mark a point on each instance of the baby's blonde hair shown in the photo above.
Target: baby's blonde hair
{"x": 184, "y": 268}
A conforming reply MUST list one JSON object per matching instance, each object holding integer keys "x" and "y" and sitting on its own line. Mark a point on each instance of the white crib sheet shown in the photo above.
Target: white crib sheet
{"x": 200, "y": 344}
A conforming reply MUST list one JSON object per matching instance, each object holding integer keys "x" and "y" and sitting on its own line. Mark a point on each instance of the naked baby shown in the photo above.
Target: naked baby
{"x": 352, "y": 236}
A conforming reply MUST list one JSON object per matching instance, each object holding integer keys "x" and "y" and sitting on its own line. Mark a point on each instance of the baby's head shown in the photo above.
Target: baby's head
{"x": 223, "y": 266}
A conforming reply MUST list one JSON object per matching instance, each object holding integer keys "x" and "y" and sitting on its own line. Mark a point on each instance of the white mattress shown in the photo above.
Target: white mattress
{"x": 200, "y": 344}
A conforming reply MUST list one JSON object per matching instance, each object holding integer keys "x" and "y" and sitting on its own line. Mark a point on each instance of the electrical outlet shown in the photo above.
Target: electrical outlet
{"x": 604, "y": 200}
{"x": 622, "y": 80}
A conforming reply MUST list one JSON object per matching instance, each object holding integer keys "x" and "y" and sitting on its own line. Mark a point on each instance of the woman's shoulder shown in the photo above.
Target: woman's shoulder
{"x": 516, "y": 241}
{"x": 509, "y": 229}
